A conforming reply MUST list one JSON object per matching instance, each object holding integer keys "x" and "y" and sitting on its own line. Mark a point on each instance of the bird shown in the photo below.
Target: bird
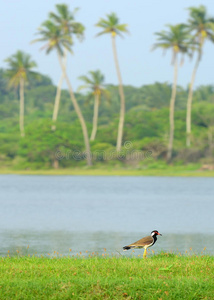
{"x": 145, "y": 242}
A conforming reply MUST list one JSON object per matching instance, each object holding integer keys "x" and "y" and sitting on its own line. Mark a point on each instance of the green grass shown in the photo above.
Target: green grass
{"x": 169, "y": 171}
{"x": 162, "y": 276}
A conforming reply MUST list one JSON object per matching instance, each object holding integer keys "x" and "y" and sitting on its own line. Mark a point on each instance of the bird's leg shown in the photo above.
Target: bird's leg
{"x": 144, "y": 254}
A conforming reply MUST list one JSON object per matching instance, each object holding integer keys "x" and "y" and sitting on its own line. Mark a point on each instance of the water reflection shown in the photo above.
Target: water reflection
{"x": 44, "y": 243}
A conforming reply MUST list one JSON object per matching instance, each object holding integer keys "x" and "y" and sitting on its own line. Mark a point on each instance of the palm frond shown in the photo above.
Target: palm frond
{"x": 82, "y": 87}
{"x": 20, "y": 65}
{"x": 85, "y": 79}
{"x": 178, "y": 39}
{"x": 55, "y": 37}
{"x": 103, "y": 32}
{"x": 122, "y": 28}
{"x": 200, "y": 24}
{"x": 66, "y": 21}
{"x": 93, "y": 82}
{"x": 111, "y": 24}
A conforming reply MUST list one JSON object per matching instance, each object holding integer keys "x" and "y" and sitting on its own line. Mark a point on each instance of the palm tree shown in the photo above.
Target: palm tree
{"x": 95, "y": 82}
{"x": 19, "y": 69}
{"x": 199, "y": 25}
{"x": 111, "y": 25}
{"x": 177, "y": 39}
{"x": 65, "y": 19}
{"x": 58, "y": 40}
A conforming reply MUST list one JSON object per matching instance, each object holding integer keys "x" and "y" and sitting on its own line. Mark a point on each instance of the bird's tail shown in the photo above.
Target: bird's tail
{"x": 125, "y": 248}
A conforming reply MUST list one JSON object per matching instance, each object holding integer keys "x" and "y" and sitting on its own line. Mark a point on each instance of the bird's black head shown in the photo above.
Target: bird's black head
{"x": 155, "y": 233}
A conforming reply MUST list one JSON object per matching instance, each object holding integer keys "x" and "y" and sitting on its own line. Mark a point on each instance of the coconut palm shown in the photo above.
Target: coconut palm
{"x": 56, "y": 39}
{"x": 177, "y": 39}
{"x": 111, "y": 25}
{"x": 199, "y": 25}
{"x": 66, "y": 20}
{"x": 95, "y": 83}
{"x": 19, "y": 69}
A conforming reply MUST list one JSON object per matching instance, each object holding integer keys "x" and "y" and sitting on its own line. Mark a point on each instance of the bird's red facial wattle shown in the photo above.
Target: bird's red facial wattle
{"x": 158, "y": 233}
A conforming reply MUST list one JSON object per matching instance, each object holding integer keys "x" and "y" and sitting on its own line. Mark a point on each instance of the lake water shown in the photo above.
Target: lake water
{"x": 56, "y": 213}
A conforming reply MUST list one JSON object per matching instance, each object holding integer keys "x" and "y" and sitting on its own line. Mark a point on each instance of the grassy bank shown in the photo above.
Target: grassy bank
{"x": 163, "y": 276}
{"x": 175, "y": 171}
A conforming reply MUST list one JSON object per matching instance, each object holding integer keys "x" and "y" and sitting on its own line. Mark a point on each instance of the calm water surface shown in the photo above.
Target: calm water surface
{"x": 56, "y": 213}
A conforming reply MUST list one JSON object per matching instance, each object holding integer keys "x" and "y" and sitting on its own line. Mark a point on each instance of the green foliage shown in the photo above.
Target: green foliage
{"x": 177, "y": 38}
{"x": 40, "y": 80}
{"x": 200, "y": 24}
{"x": 147, "y": 107}
{"x": 111, "y": 25}
{"x": 20, "y": 66}
{"x": 94, "y": 83}
{"x": 204, "y": 93}
{"x": 57, "y": 32}
{"x": 146, "y": 125}
{"x": 44, "y": 146}
{"x": 9, "y": 144}
{"x": 65, "y": 19}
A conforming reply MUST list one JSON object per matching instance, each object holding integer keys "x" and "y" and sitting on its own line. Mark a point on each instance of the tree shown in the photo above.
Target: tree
{"x": 111, "y": 25}
{"x": 94, "y": 82}
{"x": 19, "y": 69}
{"x": 199, "y": 25}
{"x": 43, "y": 147}
{"x": 57, "y": 39}
{"x": 177, "y": 39}
{"x": 66, "y": 20}
{"x": 203, "y": 114}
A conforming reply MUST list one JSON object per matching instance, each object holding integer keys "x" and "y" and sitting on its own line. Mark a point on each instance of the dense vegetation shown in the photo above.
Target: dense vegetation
{"x": 146, "y": 126}
{"x": 163, "y": 276}
{"x": 122, "y": 125}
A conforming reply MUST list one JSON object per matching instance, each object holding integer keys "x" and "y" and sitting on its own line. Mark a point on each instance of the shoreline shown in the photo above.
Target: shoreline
{"x": 175, "y": 172}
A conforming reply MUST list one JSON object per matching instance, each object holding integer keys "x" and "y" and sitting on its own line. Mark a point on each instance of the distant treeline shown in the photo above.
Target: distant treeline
{"x": 146, "y": 126}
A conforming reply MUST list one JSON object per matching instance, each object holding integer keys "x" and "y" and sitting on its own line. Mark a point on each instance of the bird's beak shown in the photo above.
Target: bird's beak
{"x": 159, "y": 234}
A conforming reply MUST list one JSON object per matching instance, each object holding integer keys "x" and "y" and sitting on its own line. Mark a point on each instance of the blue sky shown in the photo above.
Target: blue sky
{"x": 20, "y": 19}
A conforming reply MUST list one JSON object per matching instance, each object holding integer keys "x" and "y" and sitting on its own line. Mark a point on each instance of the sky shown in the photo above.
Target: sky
{"x": 139, "y": 65}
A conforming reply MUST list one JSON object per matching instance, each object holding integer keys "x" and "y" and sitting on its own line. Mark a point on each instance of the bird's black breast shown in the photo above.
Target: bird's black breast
{"x": 154, "y": 239}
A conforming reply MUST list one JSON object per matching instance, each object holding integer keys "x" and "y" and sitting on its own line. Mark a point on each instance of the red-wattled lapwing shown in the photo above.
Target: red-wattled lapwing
{"x": 145, "y": 242}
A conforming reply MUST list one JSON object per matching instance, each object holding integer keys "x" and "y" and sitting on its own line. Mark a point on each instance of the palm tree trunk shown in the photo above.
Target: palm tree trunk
{"x": 189, "y": 102}
{"x": 57, "y": 101}
{"x": 122, "y": 97}
{"x": 95, "y": 117}
{"x": 21, "y": 112}
{"x": 171, "y": 111}
{"x": 58, "y": 96}
{"x": 78, "y": 112}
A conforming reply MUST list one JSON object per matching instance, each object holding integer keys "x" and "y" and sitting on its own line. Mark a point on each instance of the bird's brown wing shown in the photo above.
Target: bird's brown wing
{"x": 142, "y": 242}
